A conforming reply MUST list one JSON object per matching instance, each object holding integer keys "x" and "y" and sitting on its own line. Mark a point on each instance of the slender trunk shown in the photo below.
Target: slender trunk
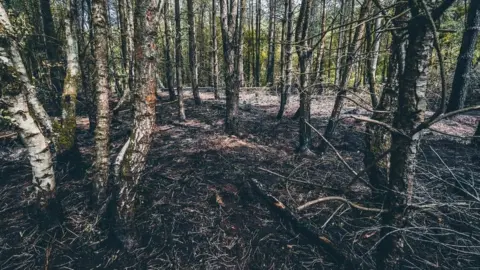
{"x": 232, "y": 89}
{"x": 340, "y": 44}
{"x": 138, "y": 145}
{"x": 318, "y": 72}
{"x": 370, "y": 72}
{"x": 102, "y": 129}
{"x": 241, "y": 19}
{"x": 287, "y": 73}
{"x": 465, "y": 57}
{"x": 179, "y": 62}
{"x": 168, "y": 54}
{"x": 192, "y": 52}
{"x": 14, "y": 99}
{"x": 203, "y": 78}
{"x": 68, "y": 125}
{"x": 347, "y": 68}
{"x": 304, "y": 56}
{"x": 214, "y": 50}
{"x": 271, "y": 44}
{"x": 257, "y": 42}
{"x": 476, "y": 139}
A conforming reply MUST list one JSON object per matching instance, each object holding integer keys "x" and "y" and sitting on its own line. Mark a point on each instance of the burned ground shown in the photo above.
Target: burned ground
{"x": 198, "y": 210}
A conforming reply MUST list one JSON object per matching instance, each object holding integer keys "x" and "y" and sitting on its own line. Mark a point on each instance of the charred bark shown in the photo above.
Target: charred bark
{"x": 192, "y": 52}
{"x": 287, "y": 72}
{"x": 167, "y": 51}
{"x": 214, "y": 50}
{"x": 179, "y": 62}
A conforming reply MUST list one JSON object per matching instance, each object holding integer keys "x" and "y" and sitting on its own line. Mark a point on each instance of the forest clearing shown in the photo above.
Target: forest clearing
{"x": 239, "y": 134}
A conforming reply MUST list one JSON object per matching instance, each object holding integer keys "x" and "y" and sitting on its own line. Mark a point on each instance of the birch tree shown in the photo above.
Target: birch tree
{"x": 192, "y": 52}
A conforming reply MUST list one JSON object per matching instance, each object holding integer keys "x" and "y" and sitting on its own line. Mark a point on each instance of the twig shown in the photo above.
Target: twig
{"x": 296, "y": 180}
{"x": 385, "y": 125}
{"x": 331, "y": 216}
{"x": 431, "y": 121}
{"x": 337, "y": 198}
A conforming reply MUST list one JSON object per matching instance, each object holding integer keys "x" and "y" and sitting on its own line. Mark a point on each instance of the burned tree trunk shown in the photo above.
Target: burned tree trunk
{"x": 214, "y": 50}
{"x": 257, "y": 42}
{"x": 192, "y": 52}
{"x": 464, "y": 62}
{"x": 345, "y": 76}
{"x": 304, "y": 53}
{"x": 241, "y": 20}
{"x": 168, "y": 49}
{"x": 13, "y": 100}
{"x": 102, "y": 129}
{"x": 136, "y": 149}
{"x": 287, "y": 72}
{"x": 230, "y": 55}
{"x": 271, "y": 44}
{"x": 179, "y": 62}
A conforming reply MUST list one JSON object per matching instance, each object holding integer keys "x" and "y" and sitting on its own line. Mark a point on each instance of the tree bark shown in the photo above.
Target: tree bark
{"x": 179, "y": 62}
{"x": 347, "y": 69}
{"x": 214, "y": 50}
{"x": 230, "y": 36}
{"x": 66, "y": 132}
{"x": 271, "y": 44}
{"x": 192, "y": 52}
{"x": 168, "y": 49}
{"x": 340, "y": 43}
{"x": 318, "y": 67}
{"x": 14, "y": 98}
{"x": 102, "y": 129}
{"x": 287, "y": 72}
{"x": 304, "y": 53}
{"x": 257, "y": 42}
{"x": 465, "y": 57}
{"x": 241, "y": 20}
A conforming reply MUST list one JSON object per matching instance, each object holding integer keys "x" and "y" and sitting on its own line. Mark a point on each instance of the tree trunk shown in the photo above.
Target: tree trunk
{"x": 214, "y": 50}
{"x": 464, "y": 62}
{"x": 271, "y": 44}
{"x": 347, "y": 68}
{"x": 102, "y": 129}
{"x": 318, "y": 67}
{"x": 257, "y": 42}
{"x": 179, "y": 62}
{"x": 68, "y": 125}
{"x": 126, "y": 33}
{"x": 340, "y": 43}
{"x": 370, "y": 36}
{"x": 287, "y": 73}
{"x": 476, "y": 139}
{"x": 409, "y": 115}
{"x": 241, "y": 19}
{"x": 138, "y": 145}
{"x": 192, "y": 52}
{"x": 232, "y": 89}
{"x": 52, "y": 47}
{"x": 377, "y": 138}
{"x": 13, "y": 97}
{"x": 168, "y": 48}
{"x": 304, "y": 53}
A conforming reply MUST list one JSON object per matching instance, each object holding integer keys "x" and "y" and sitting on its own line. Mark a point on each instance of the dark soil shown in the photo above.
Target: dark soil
{"x": 197, "y": 209}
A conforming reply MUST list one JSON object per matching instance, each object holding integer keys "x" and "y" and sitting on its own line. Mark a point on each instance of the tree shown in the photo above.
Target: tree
{"x": 214, "y": 50}
{"x": 126, "y": 39}
{"x": 345, "y": 76}
{"x": 304, "y": 53}
{"x": 287, "y": 72}
{"x": 192, "y": 52}
{"x": 13, "y": 99}
{"x": 102, "y": 129}
{"x": 134, "y": 153}
{"x": 271, "y": 43}
{"x": 167, "y": 51}
{"x": 230, "y": 28}
{"x": 179, "y": 61}
{"x": 68, "y": 125}
{"x": 465, "y": 57}
{"x": 257, "y": 42}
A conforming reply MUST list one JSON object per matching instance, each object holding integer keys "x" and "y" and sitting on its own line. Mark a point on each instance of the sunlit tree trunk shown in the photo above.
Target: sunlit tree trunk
{"x": 465, "y": 57}
{"x": 67, "y": 126}
{"x": 179, "y": 61}
{"x": 132, "y": 157}
{"x": 214, "y": 50}
{"x": 102, "y": 129}
{"x": 287, "y": 72}
{"x": 18, "y": 111}
{"x": 126, "y": 33}
{"x": 192, "y": 52}
{"x": 241, "y": 20}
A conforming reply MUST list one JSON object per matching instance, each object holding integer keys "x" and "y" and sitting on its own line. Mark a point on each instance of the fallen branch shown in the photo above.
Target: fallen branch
{"x": 297, "y": 180}
{"x": 310, "y": 235}
{"x": 336, "y": 198}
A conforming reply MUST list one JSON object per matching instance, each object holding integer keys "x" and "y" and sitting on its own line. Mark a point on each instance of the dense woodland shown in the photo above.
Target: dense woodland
{"x": 239, "y": 134}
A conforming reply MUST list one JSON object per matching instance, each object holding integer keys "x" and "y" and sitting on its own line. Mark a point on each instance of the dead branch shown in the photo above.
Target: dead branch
{"x": 337, "y": 198}
{"x": 283, "y": 211}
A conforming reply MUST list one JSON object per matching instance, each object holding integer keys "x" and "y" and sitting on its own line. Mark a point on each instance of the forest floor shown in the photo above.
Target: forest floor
{"x": 198, "y": 210}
